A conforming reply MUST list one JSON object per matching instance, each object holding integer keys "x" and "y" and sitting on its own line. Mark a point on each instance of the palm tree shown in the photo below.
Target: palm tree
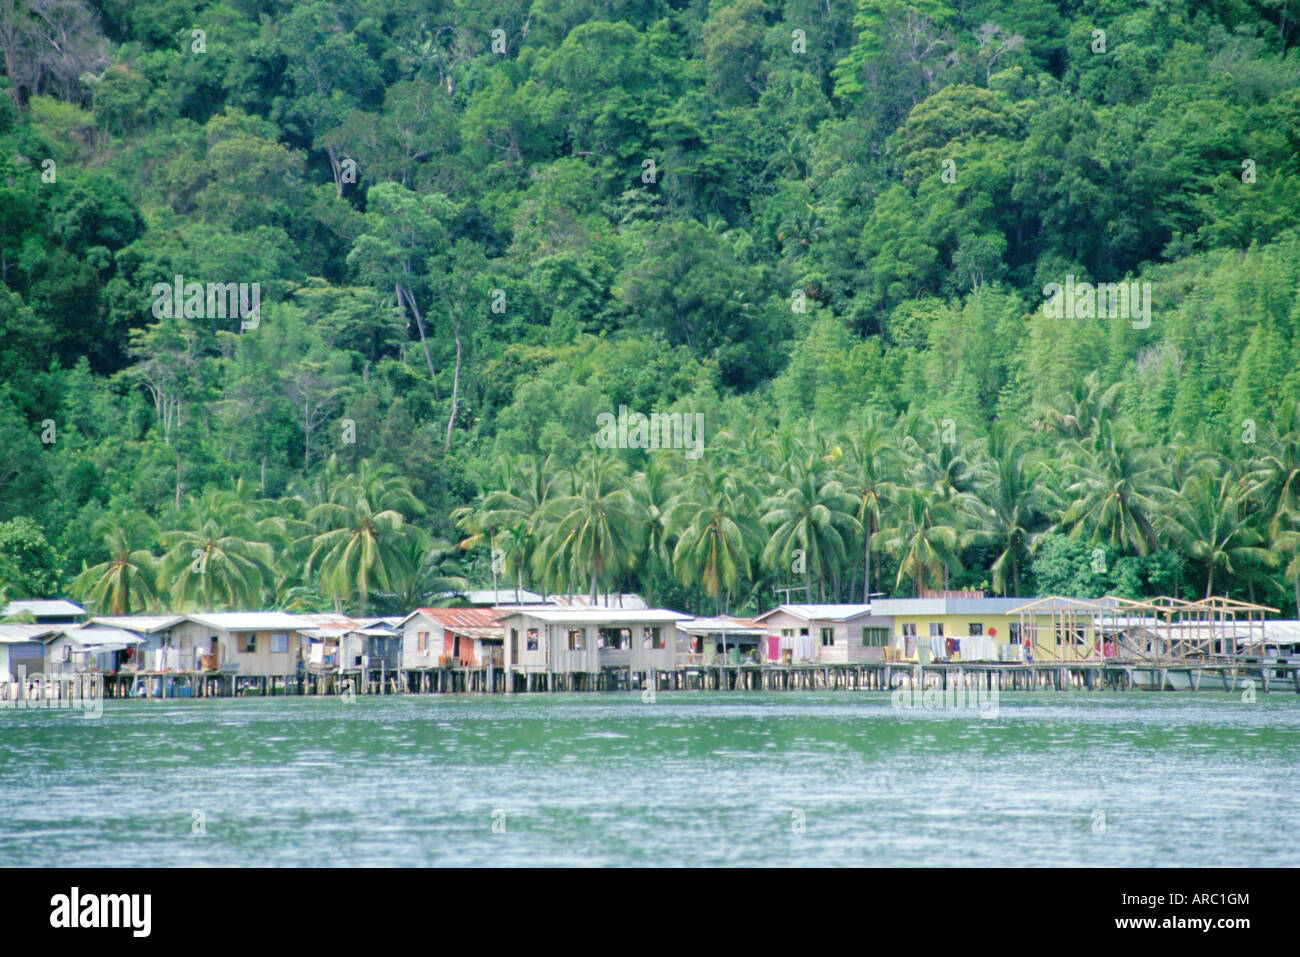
{"x": 1117, "y": 493}
{"x": 716, "y": 532}
{"x": 1016, "y": 499}
{"x": 219, "y": 556}
{"x": 655, "y": 489}
{"x": 1078, "y": 415}
{"x": 944, "y": 470}
{"x": 508, "y": 517}
{"x": 921, "y": 533}
{"x": 431, "y": 575}
{"x": 362, "y": 538}
{"x": 592, "y": 532}
{"x": 1206, "y": 522}
{"x": 814, "y": 514}
{"x": 128, "y": 580}
{"x": 865, "y": 477}
{"x": 1286, "y": 545}
{"x": 1274, "y": 477}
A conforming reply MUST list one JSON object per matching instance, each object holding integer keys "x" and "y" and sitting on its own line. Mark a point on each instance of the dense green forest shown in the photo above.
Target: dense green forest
{"x": 825, "y": 230}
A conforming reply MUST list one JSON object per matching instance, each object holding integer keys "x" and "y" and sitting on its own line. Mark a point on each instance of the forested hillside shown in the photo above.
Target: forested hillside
{"x": 827, "y": 231}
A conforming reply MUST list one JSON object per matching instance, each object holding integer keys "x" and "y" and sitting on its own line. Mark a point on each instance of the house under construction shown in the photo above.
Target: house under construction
{"x": 1159, "y": 629}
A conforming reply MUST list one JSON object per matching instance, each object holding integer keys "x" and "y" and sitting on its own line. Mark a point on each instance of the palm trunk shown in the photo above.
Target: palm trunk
{"x": 866, "y": 581}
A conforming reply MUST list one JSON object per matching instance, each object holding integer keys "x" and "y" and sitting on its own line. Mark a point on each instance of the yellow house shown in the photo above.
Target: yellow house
{"x": 966, "y": 626}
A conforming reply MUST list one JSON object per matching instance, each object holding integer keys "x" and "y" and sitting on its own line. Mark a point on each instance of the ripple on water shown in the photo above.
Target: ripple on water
{"x": 592, "y": 780}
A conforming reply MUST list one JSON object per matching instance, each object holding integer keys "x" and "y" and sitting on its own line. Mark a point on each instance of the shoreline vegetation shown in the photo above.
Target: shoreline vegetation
{"x": 923, "y": 297}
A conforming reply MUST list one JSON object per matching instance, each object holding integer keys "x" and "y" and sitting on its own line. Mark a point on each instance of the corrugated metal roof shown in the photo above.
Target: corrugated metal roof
{"x": 471, "y": 622}
{"x": 1282, "y": 630}
{"x": 44, "y": 608}
{"x": 93, "y": 637}
{"x": 488, "y": 596}
{"x": 329, "y": 624}
{"x": 140, "y": 624}
{"x": 249, "y": 621}
{"x": 723, "y": 625}
{"x": 16, "y": 633}
{"x": 595, "y": 616}
{"x": 626, "y": 600}
{"x": 819, "y": 612}
{"x": 948, "y": 606}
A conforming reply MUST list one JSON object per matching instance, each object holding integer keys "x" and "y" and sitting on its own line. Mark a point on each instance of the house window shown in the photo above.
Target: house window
{"x": 976, "y": 628}
{"x": 909, "y": 629}
{"x": 828, "y": 637}
{"x": 652, "y": 637}
{"x": 787, "y": 632}
{"x": 250, "y": 643}
{"x": 575, "y": 639}
{"x": 617, "y": 638}
{"x": 803, "y": 632}
{"x": 875, "y": 637}
{"x": 67, "y": 652}
{"x": 514, "y": 644}
{"x": 1027, "y": 635}
{"x": 422, "y": 642}
{"x": 936, "y": 629}
{"x": 532, "y": 639}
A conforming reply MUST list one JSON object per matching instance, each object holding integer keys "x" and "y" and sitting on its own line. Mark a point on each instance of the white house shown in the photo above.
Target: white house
{"x": 723, "y": 638}
{"x": 251, "y": 643}
{"x": 831, "y": 634}
{"x": 585, "y": 640}
{"x": 74, "y": 651}
{"x": 157, "y": 650}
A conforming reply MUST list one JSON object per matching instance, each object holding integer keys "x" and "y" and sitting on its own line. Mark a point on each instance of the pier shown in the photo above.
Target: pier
{"x": 1209, "y": 677}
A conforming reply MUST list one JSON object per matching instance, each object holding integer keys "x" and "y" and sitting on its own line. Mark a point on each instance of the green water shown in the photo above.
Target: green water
{"x": 688, "y": 779}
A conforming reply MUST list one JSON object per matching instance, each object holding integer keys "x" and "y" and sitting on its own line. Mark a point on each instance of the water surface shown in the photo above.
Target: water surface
{"x": 691, "y": 778}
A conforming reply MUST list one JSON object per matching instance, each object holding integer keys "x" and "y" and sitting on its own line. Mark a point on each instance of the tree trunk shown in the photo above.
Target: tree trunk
{"x": 336, "y": 170}
{"x": 455, "y": 392}
{"x": 405, "y": 294}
